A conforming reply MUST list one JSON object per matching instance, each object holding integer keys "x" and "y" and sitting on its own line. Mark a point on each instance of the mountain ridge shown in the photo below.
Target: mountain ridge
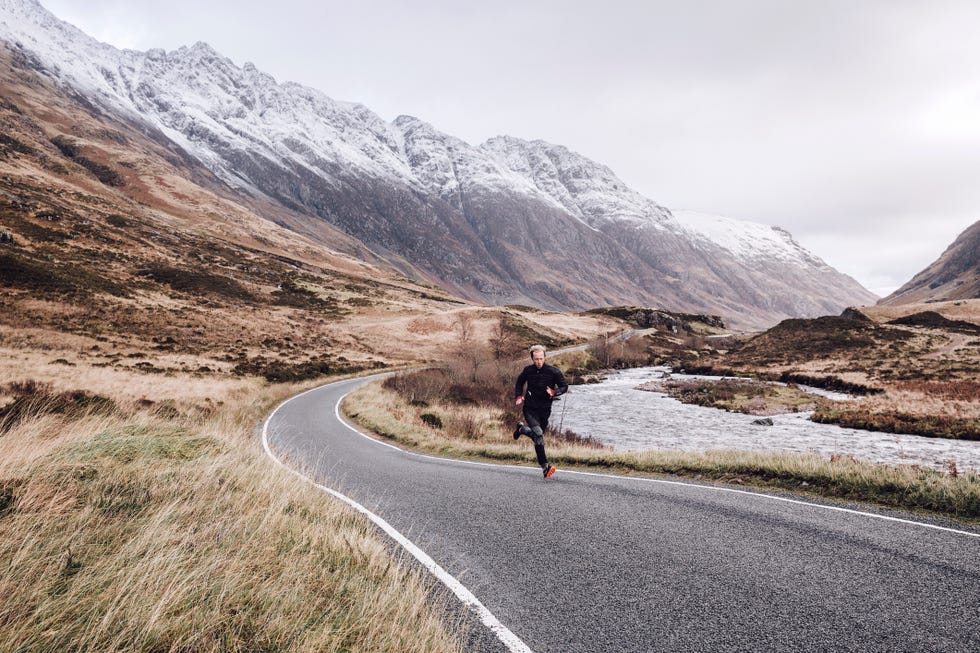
{"x": 955, "y": 275}
{"x": 507, "y": 221}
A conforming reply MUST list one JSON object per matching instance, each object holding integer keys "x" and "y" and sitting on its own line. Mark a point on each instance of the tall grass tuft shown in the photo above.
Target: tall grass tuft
{"x": 128, "y": 532}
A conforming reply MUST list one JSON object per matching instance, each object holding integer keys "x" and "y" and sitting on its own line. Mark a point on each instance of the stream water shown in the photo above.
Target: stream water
{"x": 617, "y": 414}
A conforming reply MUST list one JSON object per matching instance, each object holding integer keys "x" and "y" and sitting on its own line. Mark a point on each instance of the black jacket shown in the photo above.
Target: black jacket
{"x": 537, "y": 380}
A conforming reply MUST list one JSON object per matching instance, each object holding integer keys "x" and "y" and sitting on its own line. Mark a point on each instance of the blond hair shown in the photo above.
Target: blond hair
{"x": 535, "y": 348}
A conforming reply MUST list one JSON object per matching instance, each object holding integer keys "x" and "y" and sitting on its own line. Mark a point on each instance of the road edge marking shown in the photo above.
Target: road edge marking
{"x": 513, "y": 643}
{"x": 661, "y": 481}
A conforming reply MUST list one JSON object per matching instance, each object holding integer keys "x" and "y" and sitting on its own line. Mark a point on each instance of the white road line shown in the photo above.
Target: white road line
{"x": 639, "y": 479}
{"x": 504, "y": 634}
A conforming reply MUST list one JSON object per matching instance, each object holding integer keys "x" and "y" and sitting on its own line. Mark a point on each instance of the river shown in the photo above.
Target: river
{"x": 618, "y": 415}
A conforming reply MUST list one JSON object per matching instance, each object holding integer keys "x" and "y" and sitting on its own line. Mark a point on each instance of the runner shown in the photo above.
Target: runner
{"x": 543, "y": 383}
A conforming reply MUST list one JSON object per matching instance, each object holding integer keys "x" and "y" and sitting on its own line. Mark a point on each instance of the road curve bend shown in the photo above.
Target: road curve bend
{"x": 600, "y": 562}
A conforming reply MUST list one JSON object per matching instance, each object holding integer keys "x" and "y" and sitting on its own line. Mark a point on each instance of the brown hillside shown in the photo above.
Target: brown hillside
{"x": 122, "y": 262}
{"x": 953, "y": 276}
{"x": 873, "y": 352}
{"x": 918, "y": 371}
{"x": 966, "y": 310}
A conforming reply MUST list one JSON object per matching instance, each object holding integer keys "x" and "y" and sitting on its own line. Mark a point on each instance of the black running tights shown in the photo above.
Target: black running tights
{"x": 535, "y": 423}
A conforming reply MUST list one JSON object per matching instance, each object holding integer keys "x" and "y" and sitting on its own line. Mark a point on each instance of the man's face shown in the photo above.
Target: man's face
{"x": 538, "y": 359}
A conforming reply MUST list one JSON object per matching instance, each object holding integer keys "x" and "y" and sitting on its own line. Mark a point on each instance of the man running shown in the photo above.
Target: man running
{"x": 544, "y": 383}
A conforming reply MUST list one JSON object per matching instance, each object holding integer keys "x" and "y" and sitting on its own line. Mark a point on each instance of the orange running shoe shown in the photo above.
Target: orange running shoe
{"x": 550, "y": 471}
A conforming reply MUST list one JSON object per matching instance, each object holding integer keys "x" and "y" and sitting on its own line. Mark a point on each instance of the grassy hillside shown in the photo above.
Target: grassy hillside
{"x": 916, "y": 370}
{"x": 148, "y": 320}
{"x": 154, "y": 529}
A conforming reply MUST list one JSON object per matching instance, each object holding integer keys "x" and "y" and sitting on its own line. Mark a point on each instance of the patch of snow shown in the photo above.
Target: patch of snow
{"x": 209, "y": 105}
{"x": 449, "y": 166}
{"x": 587, "y": 190}
{"x": 745, "y": 240}
{"x": 221, "y": 114}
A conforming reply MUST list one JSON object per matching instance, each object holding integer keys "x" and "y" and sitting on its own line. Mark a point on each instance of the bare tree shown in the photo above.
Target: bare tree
{"x": 464, "y": 328}
{"x": 503, "y": 339}
{"x": 602, "y": 348}
{"x": 469, "y": 353}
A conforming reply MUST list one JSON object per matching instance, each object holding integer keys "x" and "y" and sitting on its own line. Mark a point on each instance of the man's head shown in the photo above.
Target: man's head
{"x": 537, "y": 355}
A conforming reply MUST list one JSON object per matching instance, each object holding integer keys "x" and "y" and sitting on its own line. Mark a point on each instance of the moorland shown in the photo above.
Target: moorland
{"x": 150, "y": 318}
{"x": 141, "y": 346}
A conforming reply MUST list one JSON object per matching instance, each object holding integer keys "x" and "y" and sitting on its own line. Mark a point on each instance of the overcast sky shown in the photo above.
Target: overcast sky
{"x": 854, "y": 124}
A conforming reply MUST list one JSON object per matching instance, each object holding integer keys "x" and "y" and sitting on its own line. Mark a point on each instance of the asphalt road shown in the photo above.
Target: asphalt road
{"x": 592, "y": 562}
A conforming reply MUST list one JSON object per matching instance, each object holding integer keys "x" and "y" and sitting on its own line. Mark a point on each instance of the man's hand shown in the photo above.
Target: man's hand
{"x": 551, "y": 392}
{"x": 519, "y": 401}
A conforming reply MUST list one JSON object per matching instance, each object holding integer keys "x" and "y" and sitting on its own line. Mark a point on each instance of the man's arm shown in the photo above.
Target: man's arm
{"x": 519, "y": 386}
{"x": 561, "y": 385}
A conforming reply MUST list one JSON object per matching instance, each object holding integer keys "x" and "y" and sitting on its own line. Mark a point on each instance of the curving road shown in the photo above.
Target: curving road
{"x": 592, "y": 562}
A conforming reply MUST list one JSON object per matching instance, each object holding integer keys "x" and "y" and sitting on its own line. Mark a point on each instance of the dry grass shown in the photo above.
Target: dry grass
{"x": 927, "y": 408}
{"x": 128, "y": 532}
{"x": 385, "y": 413}
{"x": 737, "y": 395}
{"x": 960, "y": 309}
{"x": 161, "y": 526}
{"x": 920, "y": 376}
{"x": 126, "y": 383}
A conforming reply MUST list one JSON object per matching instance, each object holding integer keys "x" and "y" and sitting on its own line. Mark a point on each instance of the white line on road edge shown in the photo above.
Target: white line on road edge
{"x": 666, "y": 482}
{"x": 504, "y": 634}
{"x": 787, "y": 500}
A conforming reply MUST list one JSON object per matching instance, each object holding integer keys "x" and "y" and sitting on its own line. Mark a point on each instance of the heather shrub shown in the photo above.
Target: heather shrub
{"x": 570, "y": 437}
{"x": 432, "y": 420}
{"x": 949, "y": 390}
{"x": 487, "y": 383}
{"x": 73, "y": 405}
{"x": 421, "y": 387}
{"x": 937, "y": 426}
{"x": 466, "y": 424}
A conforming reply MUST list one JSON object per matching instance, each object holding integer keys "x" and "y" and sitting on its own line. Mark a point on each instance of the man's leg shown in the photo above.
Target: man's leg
{"x": 534, "y": 429}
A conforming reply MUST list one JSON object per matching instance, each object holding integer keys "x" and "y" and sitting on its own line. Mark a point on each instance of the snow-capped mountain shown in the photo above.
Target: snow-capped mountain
{"x": 508, "y": 221}
{"x": 745, "y": 240}
{"x": 586, "y": 189}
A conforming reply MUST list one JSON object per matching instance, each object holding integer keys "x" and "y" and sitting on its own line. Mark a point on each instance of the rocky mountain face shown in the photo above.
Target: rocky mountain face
{"x": 953, "y": 276}
{"x": 506, "y": 222}
{"x": 119, "y": 251}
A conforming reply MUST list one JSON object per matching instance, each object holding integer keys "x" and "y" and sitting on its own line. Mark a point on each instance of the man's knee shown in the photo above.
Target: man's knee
{"x": 537, "y": 434}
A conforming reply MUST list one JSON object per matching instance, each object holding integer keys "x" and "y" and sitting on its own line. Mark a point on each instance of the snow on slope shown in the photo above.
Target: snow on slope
{"x": 217, "y": 112}
{"x": 448, "y": 166}
{"x": 747, "y": 241}
{"x": 207, "y": 104}
{"x": 588, "y": 190}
